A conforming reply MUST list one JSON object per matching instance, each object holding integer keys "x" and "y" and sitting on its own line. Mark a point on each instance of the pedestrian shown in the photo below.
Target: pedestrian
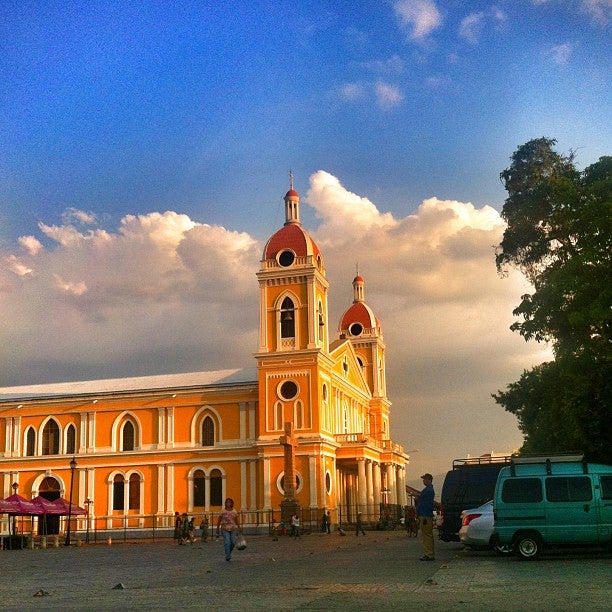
{"x": 184, "y": 528}
{"x": 295, "y": 526}
{"x": 178, "y": 534}
{"x": 228, "y": 525}
{"x": 191, "y": 531}
{"x": 204, "y": 528}
{"x": 359, "y": 525}
{"x": 328, "y": 522}
{"x": 425, "y": 507}
{"x": 324, "y": 522}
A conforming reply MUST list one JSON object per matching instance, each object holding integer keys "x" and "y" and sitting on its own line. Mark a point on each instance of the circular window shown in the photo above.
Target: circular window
{"x": 356, "y": 329}
{"x": 328, "y": 483}
{"x": 288, "y": 390}
{"x": 280, "y": 482}
{"x": 286, "y": 258}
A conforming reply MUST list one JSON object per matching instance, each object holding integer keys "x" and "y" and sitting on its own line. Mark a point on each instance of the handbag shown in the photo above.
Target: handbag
{"x": 240, "y": 542}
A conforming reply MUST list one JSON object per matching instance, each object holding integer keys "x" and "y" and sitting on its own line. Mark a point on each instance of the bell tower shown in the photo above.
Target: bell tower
{"x": 293, "y": 288}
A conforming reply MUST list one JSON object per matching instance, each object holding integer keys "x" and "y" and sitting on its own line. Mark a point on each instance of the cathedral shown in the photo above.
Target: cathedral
{"x": 309, "y": 424}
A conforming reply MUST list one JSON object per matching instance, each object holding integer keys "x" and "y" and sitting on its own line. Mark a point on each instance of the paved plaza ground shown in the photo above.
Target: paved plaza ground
{"x": 380, "y": 571}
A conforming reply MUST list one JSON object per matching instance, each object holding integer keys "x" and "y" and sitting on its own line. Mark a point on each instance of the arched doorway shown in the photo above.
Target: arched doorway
{"x": 48, "y": 524}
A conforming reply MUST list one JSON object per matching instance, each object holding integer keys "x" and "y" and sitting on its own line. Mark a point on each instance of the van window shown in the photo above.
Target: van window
{"x": 521, "y": 490}
{"x": 568, "y": 489}
{"x": 606, "y": 487}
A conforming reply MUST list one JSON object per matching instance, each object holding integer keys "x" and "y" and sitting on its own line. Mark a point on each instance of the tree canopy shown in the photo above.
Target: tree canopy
{"x": 559, "y": 235}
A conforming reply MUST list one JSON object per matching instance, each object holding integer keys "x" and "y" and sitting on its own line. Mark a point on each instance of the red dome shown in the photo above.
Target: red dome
{"x": 293, "y": 237}
{"x": 292, "y": 193}
{"x": 361, "y": 313}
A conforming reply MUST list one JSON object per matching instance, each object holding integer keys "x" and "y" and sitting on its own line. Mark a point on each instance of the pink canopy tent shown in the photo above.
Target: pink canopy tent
{"x": 15, "y": 504}
{"x": 21, "y": 506}
{"x": 63, "y": 506}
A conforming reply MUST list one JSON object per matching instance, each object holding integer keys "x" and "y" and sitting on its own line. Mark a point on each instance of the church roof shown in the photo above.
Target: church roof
{"x": 359, "y": 312}
{"x": 126, "y": 385}
{"x": 292, "y": 237}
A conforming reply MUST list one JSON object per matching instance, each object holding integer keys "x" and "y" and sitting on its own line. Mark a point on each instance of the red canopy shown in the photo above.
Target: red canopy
{"x": 15, "y": 504}
{"x": 63, "y": 506}
{"x": 21, "y": 506}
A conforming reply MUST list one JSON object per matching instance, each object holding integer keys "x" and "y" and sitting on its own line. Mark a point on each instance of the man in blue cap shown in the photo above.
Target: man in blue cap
{"x": 425, "y": 507}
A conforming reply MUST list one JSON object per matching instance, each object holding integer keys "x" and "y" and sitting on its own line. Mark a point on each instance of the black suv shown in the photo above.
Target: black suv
{"x": 469, "y": 484}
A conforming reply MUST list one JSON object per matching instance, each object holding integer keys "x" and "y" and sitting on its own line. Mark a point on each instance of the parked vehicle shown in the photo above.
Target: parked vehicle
{"x": 477, "y": 529}
{"x": 469, "y": 484}
{"x": 552, "y": 500}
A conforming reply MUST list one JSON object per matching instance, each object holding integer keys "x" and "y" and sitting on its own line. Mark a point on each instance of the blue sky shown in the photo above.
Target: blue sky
{"x": 123, "y": 107}
{"x": 145, "y": 150}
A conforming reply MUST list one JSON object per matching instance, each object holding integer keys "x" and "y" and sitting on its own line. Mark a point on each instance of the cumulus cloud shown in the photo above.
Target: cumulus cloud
{"x": 600, "y": 11}
{"x": 419, "y": 17}
{"x": 473, "y": 25}
{"x": 162, "y": 293}
{"x": 388, "y": 96}
{"x": 561, "y": 53}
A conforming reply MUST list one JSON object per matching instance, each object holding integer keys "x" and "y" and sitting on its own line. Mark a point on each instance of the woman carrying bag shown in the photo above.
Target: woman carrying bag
{"x": 229, "y": 526}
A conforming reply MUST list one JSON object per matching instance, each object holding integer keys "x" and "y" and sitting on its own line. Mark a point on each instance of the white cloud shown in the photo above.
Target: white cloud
{"x": 471, "y": 26}
{"x": 31, "y": 244}
{"x": 71, "y": 215}
{"x": 600, "y": 11}
{"x": 162, "y": 293}
{"x": 388, "y": 96}
{"x": 352, "y": 92}
{"x": 419, "y": 17}
{"x": 561, "y": 53}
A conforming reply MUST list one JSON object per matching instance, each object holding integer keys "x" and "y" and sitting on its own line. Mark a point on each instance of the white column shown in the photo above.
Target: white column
{"x": 266, "y": 484}
{"x": 161, "y": 489}
{"x": 8, "y": 436}
{"x": 391, "y": 483}
{"x": 170, "y": 489}
{"x": 243, "y": 421}
{"x": 377, "y": 487}
{"x": 244, "y": 504}
{"x": 362, "y": 494}
{"x": 252, "y": 406}
{"x": 161, "y": 428}
{"x": 253, "y": 474}
{"x": 82, "y": 444}
{"x": 91, "y": 432}
{"x": 312, "y": 474}
{"x": 370, "y": 488}
{"x": 16, "y": 436}
{"x": 170, "y": 435}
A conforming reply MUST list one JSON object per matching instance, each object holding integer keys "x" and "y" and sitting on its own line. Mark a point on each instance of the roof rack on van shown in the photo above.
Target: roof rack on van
{"x": 484, "y": 460}
{"x": 548, "y": 459}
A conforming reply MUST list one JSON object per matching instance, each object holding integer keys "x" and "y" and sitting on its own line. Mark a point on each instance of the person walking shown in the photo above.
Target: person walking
{"x": 359, "y": 525}
{"x": 204, "y": 528}
{"x": 229, "y": 525}
{"x": 295, "y": 526}
{"x": 178, "y": 534}
{"x": 328, "y": 522}
{"x": 425, "y": 507}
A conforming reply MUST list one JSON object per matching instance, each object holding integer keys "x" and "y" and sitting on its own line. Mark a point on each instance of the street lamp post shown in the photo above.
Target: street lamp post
{"x": 73, "y": 465}
{"x": 15, "y": 486}
{"x": 88, "y": 503}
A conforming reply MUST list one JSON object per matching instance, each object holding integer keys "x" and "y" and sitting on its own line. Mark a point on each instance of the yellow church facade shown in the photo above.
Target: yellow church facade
{"x": 147, "y": 447}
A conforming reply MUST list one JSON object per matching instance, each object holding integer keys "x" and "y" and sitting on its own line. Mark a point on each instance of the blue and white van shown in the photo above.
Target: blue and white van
{"x": 552, "y": 500}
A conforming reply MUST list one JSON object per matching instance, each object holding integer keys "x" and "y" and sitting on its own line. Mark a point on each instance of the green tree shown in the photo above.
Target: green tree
{"x": 559, "y": 235}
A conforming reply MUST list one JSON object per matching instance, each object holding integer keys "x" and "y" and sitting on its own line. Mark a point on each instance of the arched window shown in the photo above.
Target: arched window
{"x": 208, "y": 431}
{"x": 321, "y": 321}
{"x": 128, "y": 436}
{"x": 216, "y": 488}
{"x": 50, "y": 439}
{"x": 278, "y": 415}
{"x": 199, "y": 488}
{"x": 118, "y": 492}
{"x": 134, "y": 492}
{"x": 287, "y": 319}
{"x": 70, "y": 440}
{"x": 30, "y": 442}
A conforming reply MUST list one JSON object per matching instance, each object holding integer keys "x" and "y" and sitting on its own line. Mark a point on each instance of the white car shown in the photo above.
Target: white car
{"x": 477, "y": 529}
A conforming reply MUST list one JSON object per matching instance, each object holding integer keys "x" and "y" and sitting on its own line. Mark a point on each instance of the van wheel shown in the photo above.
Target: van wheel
{"x": 528, "y": 546}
